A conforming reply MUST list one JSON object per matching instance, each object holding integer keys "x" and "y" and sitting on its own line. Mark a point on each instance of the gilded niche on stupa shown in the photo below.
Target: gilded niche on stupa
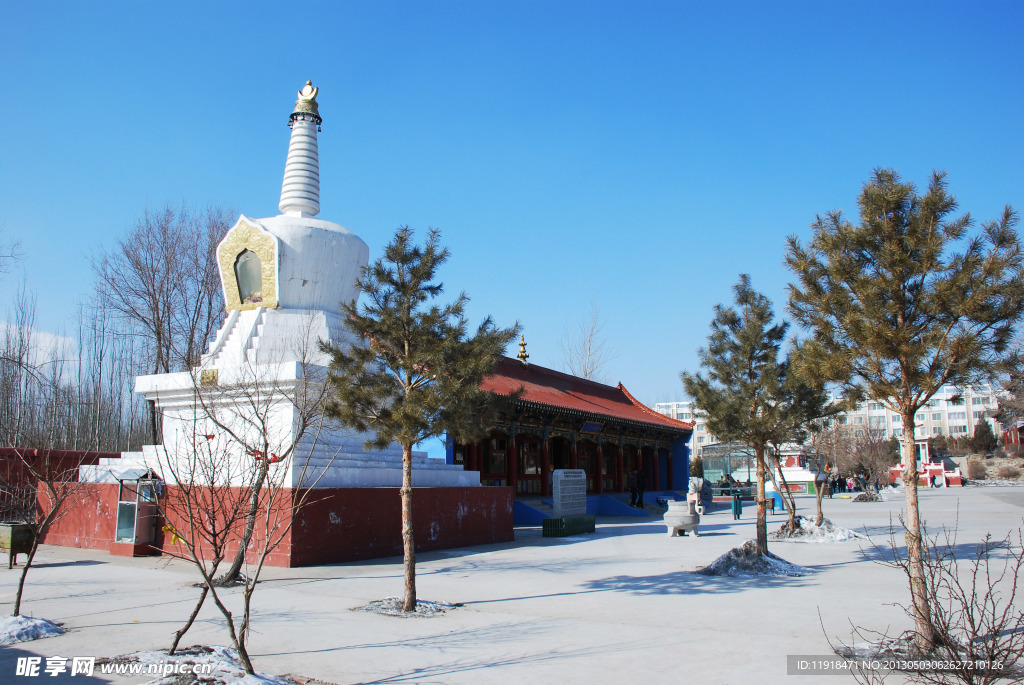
{"x": 247, "y": 258}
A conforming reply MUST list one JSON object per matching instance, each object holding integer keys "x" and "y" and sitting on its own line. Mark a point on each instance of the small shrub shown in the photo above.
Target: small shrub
{"x": 696, "y": 468}
{"x": 975, "y": 470}
{"x": 1009, "y": 472}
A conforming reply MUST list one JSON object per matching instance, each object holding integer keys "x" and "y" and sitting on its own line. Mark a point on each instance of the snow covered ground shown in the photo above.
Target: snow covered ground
{"x": 621, "y": 605}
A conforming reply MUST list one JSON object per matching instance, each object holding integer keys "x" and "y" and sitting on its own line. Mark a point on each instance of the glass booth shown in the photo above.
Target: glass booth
{"x": 136, "y": 507}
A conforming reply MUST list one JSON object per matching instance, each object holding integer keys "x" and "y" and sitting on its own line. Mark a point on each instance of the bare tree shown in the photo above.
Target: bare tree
{"x": 869, "y": 454}
{"x": 161, "y": 282}
{"x": 247, "y": 440}
{"x": 59, "y": 393}
{"x": 10, "y": 252}
{"x": 59, "y": 491}
{"x": 826, "y": 448}
{"x": 584, "y": 349}
{"x": 972, "y": 592}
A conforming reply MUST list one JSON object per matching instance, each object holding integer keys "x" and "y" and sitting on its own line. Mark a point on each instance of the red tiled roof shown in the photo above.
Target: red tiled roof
{"x": 560, "y": 390}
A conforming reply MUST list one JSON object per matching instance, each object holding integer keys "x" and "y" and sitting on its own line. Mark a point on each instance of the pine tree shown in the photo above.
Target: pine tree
{"x": 748, "y": 393}
{"x": 896, "y": 313}
{"x": 418, "y": 374}
{"x": 984, "y": 439}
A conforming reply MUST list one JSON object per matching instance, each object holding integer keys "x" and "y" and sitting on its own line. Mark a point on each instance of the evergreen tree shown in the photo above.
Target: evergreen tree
{"x": 748, "y": 393}
{"x": 938, "y": 445}
{"x": 418, "y": 374}
{"x": 984, "y": 439}
{"x": 896, "y": 313}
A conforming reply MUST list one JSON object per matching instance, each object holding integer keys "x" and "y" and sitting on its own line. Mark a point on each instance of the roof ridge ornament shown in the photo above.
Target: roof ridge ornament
{"x": 522, "y": 356}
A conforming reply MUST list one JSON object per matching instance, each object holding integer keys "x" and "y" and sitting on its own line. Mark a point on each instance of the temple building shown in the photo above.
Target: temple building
{"x": 560, "y": 421}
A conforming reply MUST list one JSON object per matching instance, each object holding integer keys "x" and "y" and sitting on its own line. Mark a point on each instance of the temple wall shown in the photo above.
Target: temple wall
{"x": 338, "y": 525}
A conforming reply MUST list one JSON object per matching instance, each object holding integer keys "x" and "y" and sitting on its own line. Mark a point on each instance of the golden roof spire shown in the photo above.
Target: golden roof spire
{"x": 522, "y": 356}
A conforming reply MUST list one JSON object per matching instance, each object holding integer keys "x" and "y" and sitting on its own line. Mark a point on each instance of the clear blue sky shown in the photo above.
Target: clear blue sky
{"x": 637, "y": 154}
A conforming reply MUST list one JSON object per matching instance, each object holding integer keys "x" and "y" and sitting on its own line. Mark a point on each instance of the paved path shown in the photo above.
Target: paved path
{"x": 619, "y": 606}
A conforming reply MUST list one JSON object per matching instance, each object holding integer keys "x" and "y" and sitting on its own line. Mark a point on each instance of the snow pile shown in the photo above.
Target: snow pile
{"x": 226, "y": 668}
{"x": 808, "y": 532}
{"x": 23, "y": 628}
{"x": 867, "y": 497}
{"x": 392, "y": 606}
{"x": 996, "y": 483}
{"x": 890, "y": 494}
{"x": 745, "y": 561}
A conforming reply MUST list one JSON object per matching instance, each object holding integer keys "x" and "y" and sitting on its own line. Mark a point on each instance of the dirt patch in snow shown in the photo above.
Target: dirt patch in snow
{"x": 744, "y": 561}
{"x": 392, "y": 606}
{"x": 808, "y": 532}
{"x": 15, "y": 629}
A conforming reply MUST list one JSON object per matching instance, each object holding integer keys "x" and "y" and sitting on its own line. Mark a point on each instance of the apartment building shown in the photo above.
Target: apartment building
{"x": 953, "y": 412}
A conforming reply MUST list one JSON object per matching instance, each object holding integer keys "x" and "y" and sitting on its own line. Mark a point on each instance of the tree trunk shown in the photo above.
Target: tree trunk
{"x": 408, "y": 542}
{"x": 786, "y": 501}
{"x": 24, "y": 572}
{"x": 178, "y": 634}
{"x": 925, "y": 637}
{"x": 762, "y": 520}
{"x": 231, "y": 575}
{"x": 787, "y": 498}
{"x": 820, "y": 518}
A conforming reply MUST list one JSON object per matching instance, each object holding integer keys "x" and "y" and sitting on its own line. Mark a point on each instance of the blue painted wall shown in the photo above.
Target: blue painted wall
{"x": 681, "y": 464}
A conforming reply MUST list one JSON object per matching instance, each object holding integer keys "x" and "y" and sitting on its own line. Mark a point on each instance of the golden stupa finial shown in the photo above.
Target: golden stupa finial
{"x": 309, "y": 91}
{"x": 522, "y": 356}
{"x": 306, "y": 104}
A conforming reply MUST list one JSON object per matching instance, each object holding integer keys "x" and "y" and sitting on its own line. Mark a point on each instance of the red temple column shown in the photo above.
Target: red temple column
{"x": 654, "y": 469}
{"x": 510, "y": 463}
{"x": 619, "y": 485}
{"x": 573, "y": 460}
{"x": 599, "y": 470}
{"x": 545, "y": 466}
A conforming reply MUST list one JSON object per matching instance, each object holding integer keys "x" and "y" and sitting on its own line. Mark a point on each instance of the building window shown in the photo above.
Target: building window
{"x": 936, "y": 417}
{"x": 936, "y": 430}
{"x": 919, "y": 418}
{"x": 977, "y": 414}
{"x": 897, "y": 432}
{"x": 897, "y": 418}
{"x": 858, "y": 419}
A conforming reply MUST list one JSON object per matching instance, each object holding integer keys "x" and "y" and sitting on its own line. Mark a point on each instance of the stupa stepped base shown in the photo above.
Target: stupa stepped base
{"x": 328, "y": 468}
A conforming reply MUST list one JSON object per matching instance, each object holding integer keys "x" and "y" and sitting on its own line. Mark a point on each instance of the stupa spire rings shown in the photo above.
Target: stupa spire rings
{"x": 300, "y": 191}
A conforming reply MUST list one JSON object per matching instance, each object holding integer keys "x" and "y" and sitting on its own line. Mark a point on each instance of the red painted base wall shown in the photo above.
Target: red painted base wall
{"x": 345, "y": 524}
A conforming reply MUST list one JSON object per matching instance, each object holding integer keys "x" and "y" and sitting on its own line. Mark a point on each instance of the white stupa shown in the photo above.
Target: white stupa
{"x": 284, "y": 280}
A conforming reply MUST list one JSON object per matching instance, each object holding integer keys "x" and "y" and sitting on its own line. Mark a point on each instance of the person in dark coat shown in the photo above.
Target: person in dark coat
{"x": 631, "y": 486}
